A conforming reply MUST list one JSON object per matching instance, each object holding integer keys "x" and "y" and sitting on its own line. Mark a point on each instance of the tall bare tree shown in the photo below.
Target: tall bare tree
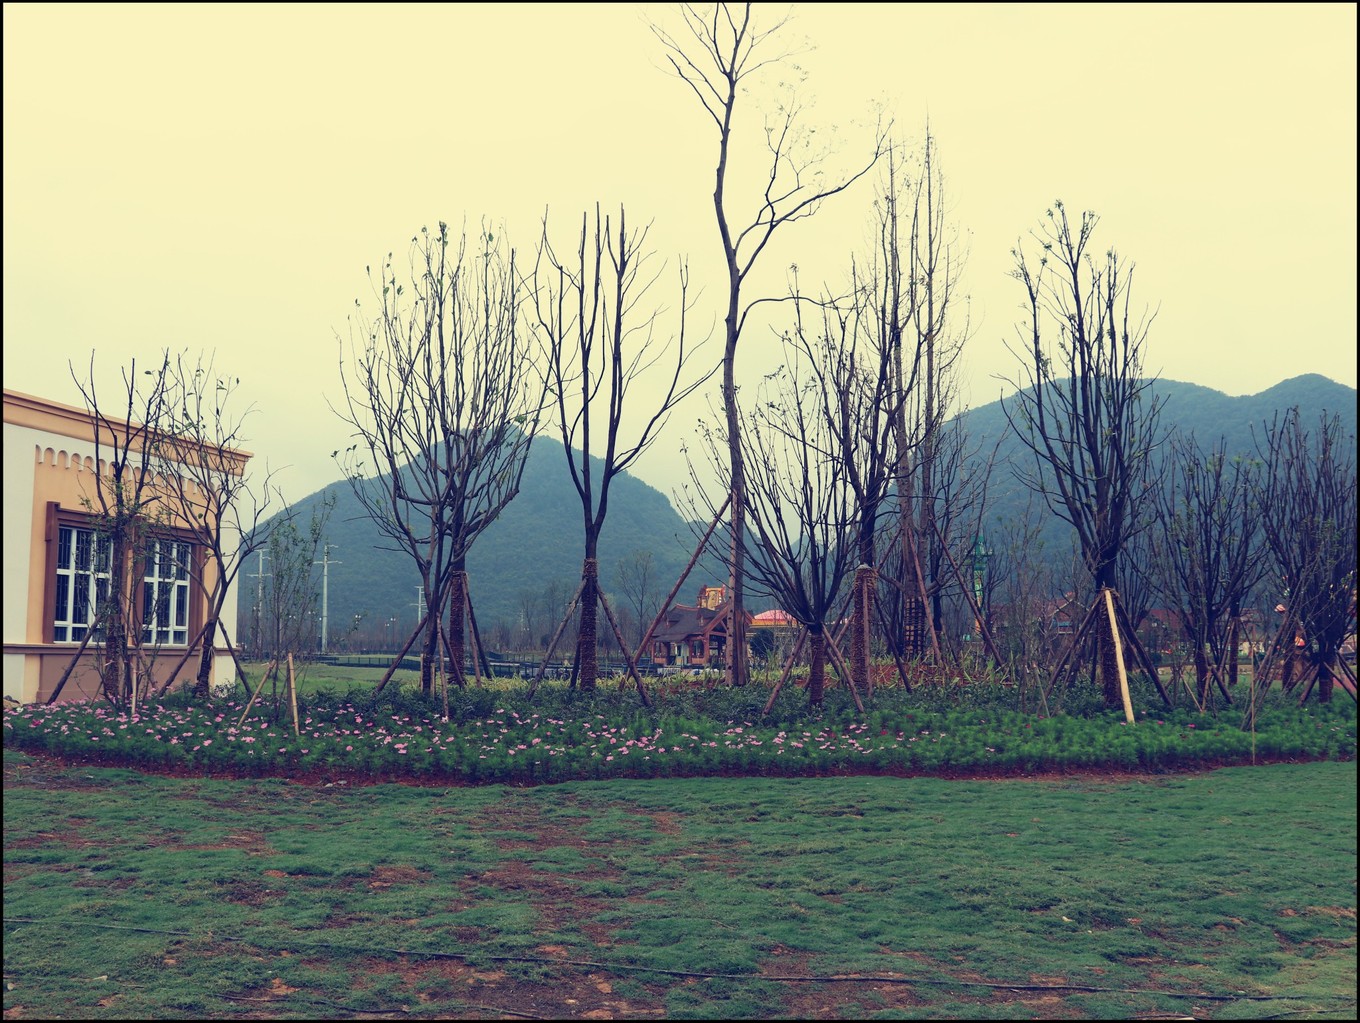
{"x": 850, "y": 358}
{"x": 717, "y": 55}
{"x": 930, "y": 450}
{"x": 599, "y": 341}
{"x": 1308, "y": 516}
{"x": 444, "y": 404}
{"x": 802, "y": 506}
{"x": 210, "y": 491}
{"x": 1083, "y": 405}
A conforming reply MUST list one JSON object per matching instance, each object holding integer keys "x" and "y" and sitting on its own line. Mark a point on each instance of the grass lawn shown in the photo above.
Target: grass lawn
{"x": 1224, "y": 894}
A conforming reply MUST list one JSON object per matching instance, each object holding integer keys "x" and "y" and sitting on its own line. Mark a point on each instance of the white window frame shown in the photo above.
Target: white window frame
{"x": 81, "y": 586}
{"x": 165, "y": 592}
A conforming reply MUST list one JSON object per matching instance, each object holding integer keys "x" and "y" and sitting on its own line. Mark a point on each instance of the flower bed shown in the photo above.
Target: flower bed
{"x": 506, "y": 739}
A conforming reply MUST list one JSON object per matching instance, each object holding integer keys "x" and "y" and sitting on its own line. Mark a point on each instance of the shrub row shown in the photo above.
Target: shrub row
{"x": 501, "y": 737}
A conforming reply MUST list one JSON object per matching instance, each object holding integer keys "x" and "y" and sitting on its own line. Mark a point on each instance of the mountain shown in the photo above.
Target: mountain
{"x": 532, "y": 553}
{"x": 1188, "y": 409}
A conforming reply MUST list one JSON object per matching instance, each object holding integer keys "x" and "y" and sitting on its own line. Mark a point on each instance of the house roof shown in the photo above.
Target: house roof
{"x": 683, "y": 621}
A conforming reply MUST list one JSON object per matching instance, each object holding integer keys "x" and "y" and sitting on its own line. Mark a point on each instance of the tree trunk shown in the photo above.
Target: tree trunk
{"x": 457, "y": 617}
{"x": 587, "y": 642}
{"x": 866, "y": 581}
{"x": 205, "y": 660}
{"x": 428, "y": 654}
{"x": 1201, "y": 671}
{"x": 817, "y": 668}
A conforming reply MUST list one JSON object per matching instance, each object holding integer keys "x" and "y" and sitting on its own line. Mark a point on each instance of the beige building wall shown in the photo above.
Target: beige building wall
{"x": 50, "y": 471}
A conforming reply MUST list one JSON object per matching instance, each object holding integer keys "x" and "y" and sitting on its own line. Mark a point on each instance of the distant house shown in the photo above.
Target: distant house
{"x": 56, "y": 562}
{"x": 694, "y": 637}
{"x": 774, "y": 619}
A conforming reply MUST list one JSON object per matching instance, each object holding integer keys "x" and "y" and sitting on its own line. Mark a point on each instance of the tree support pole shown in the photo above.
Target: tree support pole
{"x": 571, "y": 610}
{"x": 1140, "y": 651}
{"x": 839, "y": 659}
{"x": 666, "y": 604}
{"x": 392, "y": 670}
{"x": 627, "y": 658}
{"x": 1108, "y": 596}
{"x": 788, "y": 669}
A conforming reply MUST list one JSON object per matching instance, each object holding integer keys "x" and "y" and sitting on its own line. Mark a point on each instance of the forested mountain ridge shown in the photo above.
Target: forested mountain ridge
{"x": 532, "y": 554}
{"x": 529, "y": 557}
{"x": 1187, "y": 409}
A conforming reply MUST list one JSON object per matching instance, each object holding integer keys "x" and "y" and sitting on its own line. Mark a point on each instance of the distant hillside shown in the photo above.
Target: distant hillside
{"x": 535, "y": 544}
{"x": 1188, "y": 409}
{"x": 535, "y": 547}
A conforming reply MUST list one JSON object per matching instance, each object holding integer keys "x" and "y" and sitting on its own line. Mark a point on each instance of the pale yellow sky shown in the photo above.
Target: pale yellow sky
{"x": 219, "y": 177}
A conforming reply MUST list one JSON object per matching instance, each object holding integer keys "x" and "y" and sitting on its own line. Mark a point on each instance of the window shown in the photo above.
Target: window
{"x": 165, "y": 593}
{"x": 82, "y": 583}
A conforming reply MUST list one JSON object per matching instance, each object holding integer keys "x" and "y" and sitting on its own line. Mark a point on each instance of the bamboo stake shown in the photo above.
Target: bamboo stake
{"x": 264, "y": 677}
{"x": 392, "y": 669}
{"x": 1078, "y": 640}
{"x": 839, "y": 658}
{"x": 571, "y": 609}
{"x": 478, "y": 650}
{"x": 188, "y": 652}
{"x": 694, "y": 558}
{"x": 897, "y": 659}
{"x": 292, "y": 694}
{"x": 788, "y": 669}
{"x": 623, "y": 647}
{"x": 1119, "y": 657}
{"x": 75, "y": 659}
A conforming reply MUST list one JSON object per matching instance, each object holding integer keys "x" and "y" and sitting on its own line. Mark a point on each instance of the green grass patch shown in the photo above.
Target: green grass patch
{"x": 1228, "y": 893}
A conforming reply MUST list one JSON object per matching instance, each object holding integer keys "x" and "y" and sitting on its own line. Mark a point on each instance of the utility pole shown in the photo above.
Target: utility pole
{"x": 259, "y": 574}
{"x": 325, "y": 564}
{"x": 419, "y": 605}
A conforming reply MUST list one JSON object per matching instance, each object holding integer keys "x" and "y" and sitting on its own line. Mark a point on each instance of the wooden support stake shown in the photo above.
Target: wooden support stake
{"x": 623, "y": 648}
{"x": 264, "y": 677}
{"x": 1140, "y": 652}
{"x": 292, "y": 695}
{"x": 788, "y": 668}
{"x": 839, "y": 658}
{"x": 1119, "y": 657}
{"x": 571, "y": 610}
{"x": 694, "y": 558}
{"x": 392, "y": 669}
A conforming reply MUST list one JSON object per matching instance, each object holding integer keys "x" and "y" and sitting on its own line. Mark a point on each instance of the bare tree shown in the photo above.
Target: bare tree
{"x": 1205, "y": 556}
{"x": 925, "y": 268}
{"x": 209, "y": 490}
{"x": 851, "y": 369}
{"x": 635, "y": 577}
{"x": 126, "y": 507}
{"x": 720, "y": 51}
{"x": 291, "y": 596}
{"x": 444, "y": 405}
{"x": 599, "y": 342}
{"x": 1083, "y": 407}
{"x": 801, "y": 504}
{"x": 1308, "y": 514}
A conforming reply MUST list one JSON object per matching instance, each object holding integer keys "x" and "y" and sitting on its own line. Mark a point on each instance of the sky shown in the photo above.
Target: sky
{"x": 217, "y": 178}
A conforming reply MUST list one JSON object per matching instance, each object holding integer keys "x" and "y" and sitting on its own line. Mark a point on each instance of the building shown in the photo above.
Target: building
{"x": 56, "y": 574}
{"x": 694, "y": 637}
